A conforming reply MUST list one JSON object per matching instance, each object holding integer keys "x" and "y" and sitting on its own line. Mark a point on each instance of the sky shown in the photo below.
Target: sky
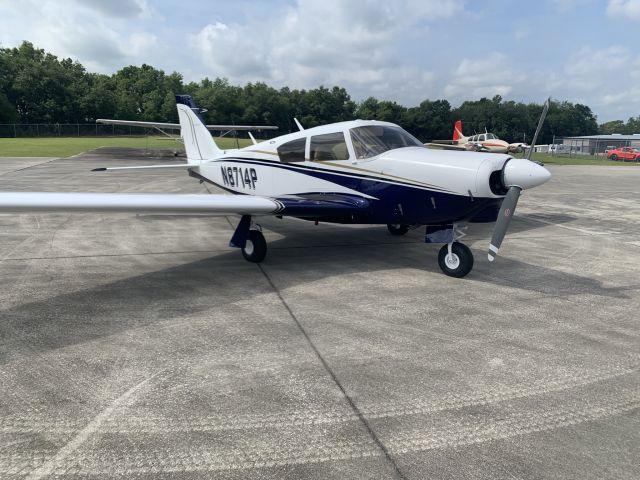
{"x": 583, "y": 51}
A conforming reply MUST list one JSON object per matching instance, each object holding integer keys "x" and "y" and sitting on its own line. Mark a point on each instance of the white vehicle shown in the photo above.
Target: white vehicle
{"x": 365, "y": 172}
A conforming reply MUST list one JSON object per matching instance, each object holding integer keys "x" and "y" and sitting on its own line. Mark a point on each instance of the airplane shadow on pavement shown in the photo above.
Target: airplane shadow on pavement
{"x": 226, "y": 278}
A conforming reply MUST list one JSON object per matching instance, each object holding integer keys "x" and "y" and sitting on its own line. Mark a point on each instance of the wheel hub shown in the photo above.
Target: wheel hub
{"x": 248, "y": 248}
{"x": 452, "y": 261}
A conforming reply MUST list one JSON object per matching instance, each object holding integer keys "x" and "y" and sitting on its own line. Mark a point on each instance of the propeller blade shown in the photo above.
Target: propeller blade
{"x": 504, "y": 217}
{"x": 543, "y": 115}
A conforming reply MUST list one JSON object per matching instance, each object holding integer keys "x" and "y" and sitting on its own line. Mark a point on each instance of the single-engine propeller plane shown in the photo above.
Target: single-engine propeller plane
{"x": 364, "y": 172}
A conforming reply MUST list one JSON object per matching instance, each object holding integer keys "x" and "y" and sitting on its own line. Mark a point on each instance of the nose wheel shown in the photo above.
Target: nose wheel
{"x": 455, "y": 259}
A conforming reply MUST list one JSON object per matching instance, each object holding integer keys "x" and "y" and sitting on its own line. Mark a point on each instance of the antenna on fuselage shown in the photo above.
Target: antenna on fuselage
{"x": 300, "y": 127}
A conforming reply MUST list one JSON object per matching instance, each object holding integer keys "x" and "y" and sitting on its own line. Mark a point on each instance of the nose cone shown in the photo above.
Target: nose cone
{"x": 524, "y": 173}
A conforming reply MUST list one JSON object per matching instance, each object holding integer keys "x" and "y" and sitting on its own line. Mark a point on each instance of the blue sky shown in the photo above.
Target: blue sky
{"x": 404, "y": 50}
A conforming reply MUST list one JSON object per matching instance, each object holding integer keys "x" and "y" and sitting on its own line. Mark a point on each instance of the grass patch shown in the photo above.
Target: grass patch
{"x": 68, "y": 146}
{"x": 549, "y": 159}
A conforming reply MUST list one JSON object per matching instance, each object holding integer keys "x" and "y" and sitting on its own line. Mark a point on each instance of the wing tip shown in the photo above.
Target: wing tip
{"x": 99, "y": 169}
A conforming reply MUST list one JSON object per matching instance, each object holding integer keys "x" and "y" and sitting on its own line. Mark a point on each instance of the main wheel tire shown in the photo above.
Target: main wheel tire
{"x": 397, "y": 229}
{"x": 459, "y": 264}
{"x": 614, "y": 157}
{"x": 256, "y": 247}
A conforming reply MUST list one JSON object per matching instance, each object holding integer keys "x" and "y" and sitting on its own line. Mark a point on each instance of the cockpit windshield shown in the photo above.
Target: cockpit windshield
{"x": 372, "y": 140}
{"x": 491, "y": 136}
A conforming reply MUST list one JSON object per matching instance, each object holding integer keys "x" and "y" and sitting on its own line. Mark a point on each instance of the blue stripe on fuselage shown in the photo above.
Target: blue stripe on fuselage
{"x": 395, "y": 201}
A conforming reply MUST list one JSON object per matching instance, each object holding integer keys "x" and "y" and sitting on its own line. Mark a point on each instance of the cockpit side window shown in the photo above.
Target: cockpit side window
{"x": 330, "y": 146}
{"x": 292, "y": 151}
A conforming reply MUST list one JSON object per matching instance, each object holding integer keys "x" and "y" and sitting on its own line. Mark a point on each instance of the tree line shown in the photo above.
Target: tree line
{"x": 37, "y": 87}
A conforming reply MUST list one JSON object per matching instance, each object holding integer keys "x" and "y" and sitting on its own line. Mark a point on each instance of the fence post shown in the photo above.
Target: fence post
{"x": 15, "y": 131}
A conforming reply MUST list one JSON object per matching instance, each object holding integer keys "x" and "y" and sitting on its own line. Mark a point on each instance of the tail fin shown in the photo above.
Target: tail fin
{"x": 191, "y": 103}
{"x": 457, "y": 130}
{"x": 198, "y": 142}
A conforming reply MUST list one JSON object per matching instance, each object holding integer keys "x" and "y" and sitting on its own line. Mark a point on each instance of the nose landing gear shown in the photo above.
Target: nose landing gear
{"x": 455, "y": 259}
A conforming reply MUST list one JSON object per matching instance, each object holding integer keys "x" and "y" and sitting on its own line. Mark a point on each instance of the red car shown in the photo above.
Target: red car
{"x": 626, "y": 154}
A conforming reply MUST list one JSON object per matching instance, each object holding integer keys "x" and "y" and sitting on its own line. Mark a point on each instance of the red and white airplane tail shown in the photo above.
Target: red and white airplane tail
{"x": 457, "y": 131}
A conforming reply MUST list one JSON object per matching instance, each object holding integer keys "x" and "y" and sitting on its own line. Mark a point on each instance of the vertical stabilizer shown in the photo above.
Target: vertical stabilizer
{"x": 198, "y": 142}
{"x": 457, "y": 131}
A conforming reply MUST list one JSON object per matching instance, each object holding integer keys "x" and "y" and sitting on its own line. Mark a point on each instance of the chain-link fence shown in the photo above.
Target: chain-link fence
{"x": 16, "y": 130}
{"x": 595, "y": 146}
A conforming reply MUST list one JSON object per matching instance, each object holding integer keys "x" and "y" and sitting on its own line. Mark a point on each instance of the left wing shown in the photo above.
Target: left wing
{"x": 309, "y": 206}
{"x": 137, "y": 202}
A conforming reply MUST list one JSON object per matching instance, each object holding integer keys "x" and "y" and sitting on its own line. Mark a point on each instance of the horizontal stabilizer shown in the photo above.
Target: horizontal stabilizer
{"x": 137, "y": 202}
{"x": 141, "y": 167}
{"x": 176, "y": 126}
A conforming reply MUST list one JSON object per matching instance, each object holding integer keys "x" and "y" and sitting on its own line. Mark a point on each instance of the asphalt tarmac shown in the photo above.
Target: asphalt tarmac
{"x": 142, "y": 346}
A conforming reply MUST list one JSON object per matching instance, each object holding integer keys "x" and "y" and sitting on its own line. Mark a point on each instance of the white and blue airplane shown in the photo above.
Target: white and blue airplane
{"x": 356, "y": 172}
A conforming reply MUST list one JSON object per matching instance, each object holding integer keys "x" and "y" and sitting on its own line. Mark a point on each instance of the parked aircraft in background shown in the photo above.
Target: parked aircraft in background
{"x": 364, "y": 172}
{"x": 480, "y": 142}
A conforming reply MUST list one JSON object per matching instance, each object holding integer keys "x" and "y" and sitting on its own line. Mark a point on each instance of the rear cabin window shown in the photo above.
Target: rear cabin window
{"x": 292, "y": 151}
{"x": 331, "y": 146}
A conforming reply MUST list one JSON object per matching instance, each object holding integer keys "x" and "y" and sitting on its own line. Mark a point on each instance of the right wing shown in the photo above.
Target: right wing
{"x": 176, "y": 126}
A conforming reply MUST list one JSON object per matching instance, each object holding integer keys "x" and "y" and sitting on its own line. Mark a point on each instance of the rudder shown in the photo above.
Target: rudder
{"x": 457, "y": 130}
{"x": 198, "y": 142}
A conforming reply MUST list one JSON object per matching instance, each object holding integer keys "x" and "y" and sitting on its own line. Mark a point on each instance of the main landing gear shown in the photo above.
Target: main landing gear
{"x": 248, "y": 237}
{"x": 397, "y": 229}
{"x": 255, "y": 248}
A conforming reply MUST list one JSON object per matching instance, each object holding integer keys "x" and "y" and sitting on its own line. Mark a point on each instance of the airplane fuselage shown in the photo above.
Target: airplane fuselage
{"x": 408, "y": 185}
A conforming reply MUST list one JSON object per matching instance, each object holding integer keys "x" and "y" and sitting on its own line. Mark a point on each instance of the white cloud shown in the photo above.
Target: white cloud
{"x": 591, "y": 69}
{"x": 80, "y": 32}
{"x": 325, "y": 42}
{"x": 117, "y": 8}
{"x": 588, "y": 78}
{"x": 488, "y": 75}
{"x": 624, "y": 9}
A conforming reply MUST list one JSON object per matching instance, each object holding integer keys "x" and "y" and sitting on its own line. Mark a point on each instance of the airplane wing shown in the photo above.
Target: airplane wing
{"x": 137, "y": 202}
{"x": 445, "y": 146}
{"x": 176, "y": 126}
{"x": 312, "y": 206}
